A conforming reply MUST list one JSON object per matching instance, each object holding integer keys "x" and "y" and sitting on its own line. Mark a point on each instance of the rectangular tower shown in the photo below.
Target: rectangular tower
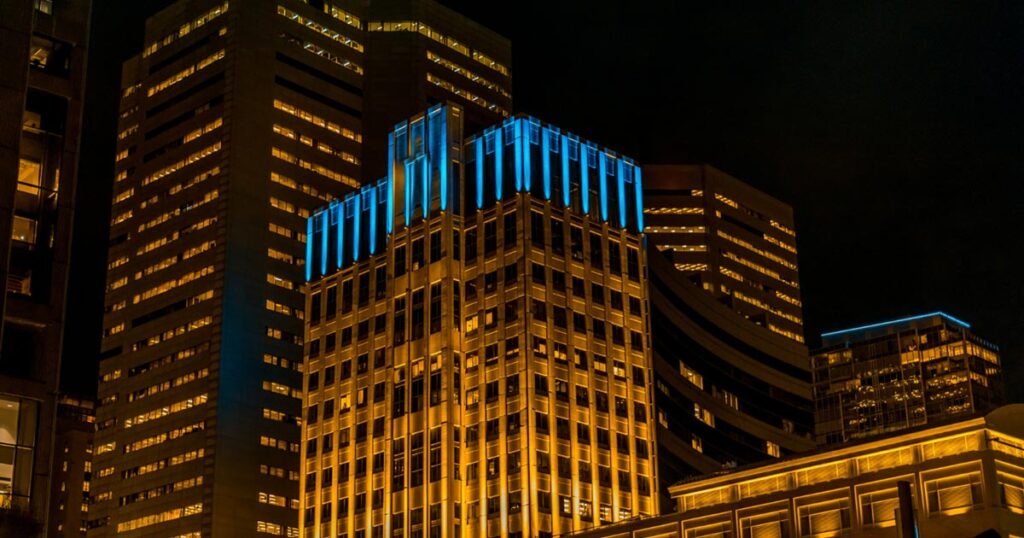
{"x": 895, "y": 375}
{"x": 236, "y": 121}
{"x": 477, "y": 350}
{"x": 734, "y": 241}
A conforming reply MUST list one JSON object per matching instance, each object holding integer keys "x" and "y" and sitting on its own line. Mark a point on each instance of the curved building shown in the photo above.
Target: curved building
{"x": 729, "y": 392}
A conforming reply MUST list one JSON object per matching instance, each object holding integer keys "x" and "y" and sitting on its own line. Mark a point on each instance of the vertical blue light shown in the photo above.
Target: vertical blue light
{"x": 425, "y": 170}
{"x": 602, "y": 171}
{"x": 390, "y": 187}
{"x": 565, "y": 171}
{"x": 410, "y": 180}
{"x": 326, "y": 214}
{"x": 499, "y": 162}
{"x": 340, "y": 255}
{"x": 443, "y": 164}
{"x": 309, "y": 248}
{"x": 519, "y": 154}
{"x": 480, "y": 171}
{"x": 585, "y": 177}
{"x": 373, "y": 219}
{"x": 621, "y": 173}
{"x": 545, "y": 159}
{"x": 356, "y": 217}
{"x": 639, "y": 192}
{"x": 527, "y": 175}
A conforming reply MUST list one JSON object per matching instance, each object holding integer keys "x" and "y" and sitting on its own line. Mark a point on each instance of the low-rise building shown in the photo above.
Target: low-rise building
{"x": 967, "y": 479}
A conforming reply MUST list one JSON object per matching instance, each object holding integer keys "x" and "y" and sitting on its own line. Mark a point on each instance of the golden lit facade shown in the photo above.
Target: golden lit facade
{"x": 735, "y": 242}
{"x": 237, "y": 120}
{"x": 900, "y": 374}
{"x": 966, "y": 478}
{"x": 477, "y": 358}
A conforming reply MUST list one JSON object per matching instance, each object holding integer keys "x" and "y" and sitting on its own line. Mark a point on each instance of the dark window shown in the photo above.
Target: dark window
{"x": 510, "y": 230}
{"x": 381, "y": 281}
{"x": 346, "y": 297}
{"x": 490, "y": 238}
{"x": 614, "y": 258}
{"x": 364, "y": 289}
{"x": 400, "y": 264}
{"x": 435, "y": 308}
{"x": 633, "y": 264}
{"x": 471, "y": 245}
{"x": 417, "y": 315}
{"x": 331, "y": 305}
{"x": 435, "y": 246}
{"x": 399, "y": 324}
{"x": 537, "y": 229}
{"x": 557, "y": 237}
{"x": 314, "y": 309}
{"x": 417, "y": 254}
{"x": 538, "y": 273}
{"x": 576, "y": 242}
{"x": 597, "y": 293}
{"x": 596, "y": 258}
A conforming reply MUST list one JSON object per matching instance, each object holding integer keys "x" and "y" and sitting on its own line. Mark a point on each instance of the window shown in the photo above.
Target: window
{"x": 417, "y": 254}
{"x": 537, "y": 229}
{"x": 557, "y": 237}
{"x": 633, "y": 264}
{"x": 435, "y": 308}
{"x": 510, "y": 230}
{"x": 954, "y": 494}
{"x": 435, "y": 246}
{"x": 490, "y": 238}
{"x": 596, "y": 257}
{"x": 537, "y": 271}
{"x": 576, "y": 243}
{"x": 614, "y": 258}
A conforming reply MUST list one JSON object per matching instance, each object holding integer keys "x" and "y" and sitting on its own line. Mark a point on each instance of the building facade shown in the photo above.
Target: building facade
{"x": 732, "y": 240}
{"x": 899, "y": 374}
{"x": 236, "y": 120}
{"x": 729, "y": 392}
{"x": 732, "y": 373}
{"x": 478, "y": 359}
{"x": 72, "y": 467}
{"x": 966, "y": 479}
{"x": 42, "y": 58}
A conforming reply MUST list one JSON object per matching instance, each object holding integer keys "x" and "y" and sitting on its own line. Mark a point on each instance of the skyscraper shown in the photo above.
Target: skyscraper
{"x": 894, "y": 375}
{"x": 236, "y": 121}
{"x": 732, "y": 240}
{"x": 478, "y": 358}
{"x": 42, "y": 61}
{"x": 732, "y": 373}
{"x": 72, "y": 467}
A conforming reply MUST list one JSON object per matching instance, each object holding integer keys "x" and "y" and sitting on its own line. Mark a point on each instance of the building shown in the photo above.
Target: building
{"x": 730, "y": 392}
{"x": 477, "y": 340}
{"x": 899, "y": 374}
{"x": 967, "y": 479}
{"x": 234, "y": 124}
{"x": 72, "y": 467}
{"x": 42, "y": 58}
{"x": 735, "y": 242}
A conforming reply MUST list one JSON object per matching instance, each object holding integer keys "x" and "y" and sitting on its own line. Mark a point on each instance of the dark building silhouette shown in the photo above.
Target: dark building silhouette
{"x": 236, "y": 120}
{"x": 42, "y": 72}
{"x": 901, "y": 374}
{"x": 72, "y": 467}
{"x": 478, "y": 360}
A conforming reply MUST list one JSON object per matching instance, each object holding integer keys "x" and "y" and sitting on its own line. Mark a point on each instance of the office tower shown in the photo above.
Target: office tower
{"x": 477, "y": 340}
{"x": 731, "y": 392}
{"x": 236, "y": 120}
{"x": 735, "y": 242}
{"x": 965, "y": 480}
{"x": 899, "y": 374}
{"x": 72, "y": 467}
{"x": 42, "y": 72}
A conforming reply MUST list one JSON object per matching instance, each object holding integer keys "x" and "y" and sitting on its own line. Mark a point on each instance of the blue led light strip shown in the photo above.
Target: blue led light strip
{"x": 340, "y": 255}
{"x": 391, "y": 184}
{"x": 519, "y": 154}
{"x": 527, "y": 172}
{"x": 443, "y": 164}
{"x": 585, "y": 178}
{"x": 602, "y": 173}
{"x": 499, "y": 149}
{"x": 323, "y": 241}
{"x": 425, "y": 171}
{"x": 620, "y": 172}
{"x": 545, "y": 159}
{"x": 962, "y": 323}
{"x": 309, "y": 248}
{"x": 356, "y": 218}
{"x": 480, "y": 171}
{"x": 565, "y": 171}
{"x": 373, "y": 219}
{"x": 639, "y": 195}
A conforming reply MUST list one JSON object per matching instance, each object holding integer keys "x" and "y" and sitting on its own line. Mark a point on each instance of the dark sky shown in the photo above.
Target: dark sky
{"x": 895, "y": 132}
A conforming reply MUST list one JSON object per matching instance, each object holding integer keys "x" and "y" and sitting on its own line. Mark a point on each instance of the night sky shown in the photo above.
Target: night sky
{"x": 894, "y": 131}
